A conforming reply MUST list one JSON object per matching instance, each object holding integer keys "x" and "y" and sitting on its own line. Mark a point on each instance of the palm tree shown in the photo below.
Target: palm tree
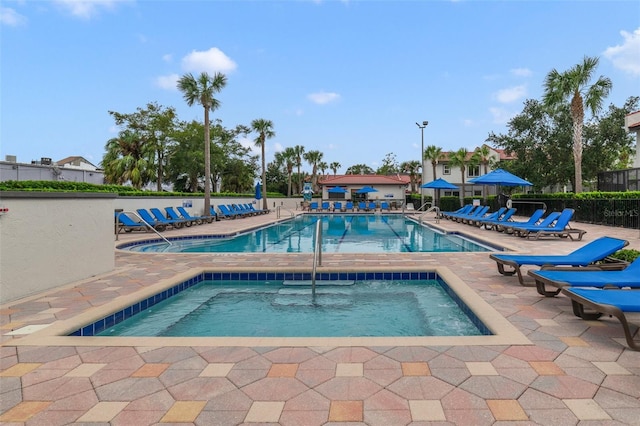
{"x": 313, "y": 158}
{"x": 287, "y": 159}
{"x": 460, "y": 159}
{"x": 434, "y": 154}
{"x": 411, "y": 167}
{"x": 359, "y": 169}
{"x": 201, "y": 91}
{"x": 264, "y": 128}
{"x": 483, "y": 154}
{"x": 323, "y": 166}
{"x": 128, "y": 159}
{"x": 574, "y": 84}
{"x": 334, "y": 166}
{"x": 299, "y": 150}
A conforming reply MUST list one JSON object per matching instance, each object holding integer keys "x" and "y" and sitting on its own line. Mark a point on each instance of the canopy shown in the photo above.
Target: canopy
{"x": 439, "y": 184}
{"x": 337, "y": 190}
{"x": 258, "y": 191}
{"x": 366, "y": 190}
{"x": 500, "y": 177}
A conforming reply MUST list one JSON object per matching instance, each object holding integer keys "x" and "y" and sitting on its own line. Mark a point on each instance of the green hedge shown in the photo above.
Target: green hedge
{"x": 594, "y": 195}
{"x": 121, "y": 190}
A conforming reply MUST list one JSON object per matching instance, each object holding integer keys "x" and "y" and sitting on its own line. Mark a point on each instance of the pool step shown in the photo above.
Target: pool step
{"x": 318, "y": 282}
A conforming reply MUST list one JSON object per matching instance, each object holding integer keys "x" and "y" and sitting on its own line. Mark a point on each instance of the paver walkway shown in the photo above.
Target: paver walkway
{"x": 575, "y": 372}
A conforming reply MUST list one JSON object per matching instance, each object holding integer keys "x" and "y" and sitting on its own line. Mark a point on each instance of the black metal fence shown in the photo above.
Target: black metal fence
{"x": 610, "y": 212}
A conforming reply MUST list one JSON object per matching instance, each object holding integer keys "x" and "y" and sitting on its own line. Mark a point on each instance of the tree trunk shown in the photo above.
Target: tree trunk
{"x": 264, "y": 176}
{"x": 207, "y": 164}
{"x": 577, "y": 155}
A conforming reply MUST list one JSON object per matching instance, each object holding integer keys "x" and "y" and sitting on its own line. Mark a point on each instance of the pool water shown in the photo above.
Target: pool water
{"x": 271, "y": 308}
{"x": 371, "y": 233}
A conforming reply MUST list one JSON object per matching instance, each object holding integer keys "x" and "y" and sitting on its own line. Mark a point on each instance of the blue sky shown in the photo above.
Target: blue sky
{"x": 347, "y": 78}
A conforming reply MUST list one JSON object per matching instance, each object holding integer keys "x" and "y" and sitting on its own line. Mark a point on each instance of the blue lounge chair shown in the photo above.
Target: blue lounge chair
{"x": 609, "y": 302}
{"x": 325, "y": 206}
{"x": 595, "y": 251}
{"x": 257, "y": 211}
{"x": 362, "y": 206}
{"x": 475, "y": 214}
{"x": 160, "y": 217}
{"x": 242, "y": 210}
{"x": 462, "y": 210}
{"x": 337, "y": 206}
{"x": 533, "y": 219}
{"x": 493, "y": 223}
{"x": 225, "y": 213}
{"x": 595, "y": 276}
{"x": 551, "y": 217}
{"x": 147, "y": 217}
{"x": 384, "y": 206}
{"x": 126, "y": 224}
{"x": 560, "y": 228}
{"x": 173, "y": 215}
{"x": 313, "y": 206}
{"x": 348, "y": 206}
{"x": 185, "y": 214}
{"x": 372, "y": 206}
{"x": 487, "y": 216}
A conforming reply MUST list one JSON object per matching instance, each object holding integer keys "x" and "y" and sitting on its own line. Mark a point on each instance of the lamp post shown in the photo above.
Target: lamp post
{"x": 424, "y": 124}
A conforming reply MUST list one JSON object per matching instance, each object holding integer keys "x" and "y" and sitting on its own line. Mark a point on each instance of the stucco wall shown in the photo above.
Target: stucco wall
{"x": 48, "y": 240}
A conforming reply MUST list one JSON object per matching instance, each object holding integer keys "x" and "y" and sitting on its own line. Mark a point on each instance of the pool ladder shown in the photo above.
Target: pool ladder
{"x": 431, "y": 209}
{"x": 279, "y": 213}
{"x": 317, "y": 256}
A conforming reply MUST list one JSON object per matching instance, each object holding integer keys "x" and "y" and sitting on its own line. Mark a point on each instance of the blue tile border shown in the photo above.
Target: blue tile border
{"x": 114, "y": 318}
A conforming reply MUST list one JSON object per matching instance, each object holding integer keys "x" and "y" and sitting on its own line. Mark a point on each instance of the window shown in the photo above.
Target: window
{"x": 477, "y": 192}
{"x": 474, "y": 171}
{"x": 446, "y": 170}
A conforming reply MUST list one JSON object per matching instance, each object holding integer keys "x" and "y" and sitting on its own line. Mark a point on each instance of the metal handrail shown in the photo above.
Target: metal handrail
{"x": 317, "y": 256}
{"x": 141, "y": 220}
{"x": 280, "y": 208}
{"x": 431, "y": 209}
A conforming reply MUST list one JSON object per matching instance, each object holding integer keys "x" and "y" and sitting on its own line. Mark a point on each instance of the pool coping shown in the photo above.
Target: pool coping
{"x": 56, "y": 334}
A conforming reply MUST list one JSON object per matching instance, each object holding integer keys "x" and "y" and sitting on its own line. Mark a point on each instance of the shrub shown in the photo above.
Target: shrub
{"x": 628, "y": 255}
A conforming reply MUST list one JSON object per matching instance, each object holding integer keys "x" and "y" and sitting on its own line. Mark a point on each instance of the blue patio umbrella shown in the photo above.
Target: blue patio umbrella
{"x": 438, "y": 184}
{"x": 337, "y": 190}
{"x": 500, "y": 177}
{"x": 258, "y": 191}
{"x": 366, "y": 190}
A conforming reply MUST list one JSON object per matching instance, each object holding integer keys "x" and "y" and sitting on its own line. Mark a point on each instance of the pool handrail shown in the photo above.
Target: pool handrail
{"x": 143, "y": 221}
{"x": 317, "y": 256}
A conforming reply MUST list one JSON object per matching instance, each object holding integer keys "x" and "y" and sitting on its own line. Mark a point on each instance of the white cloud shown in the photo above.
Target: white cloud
{"x": 467, "y": 122}
{"x": 521, "y": 72}
{"x": 627, "y": 55}
{"x": 11, "y": 18}
{"x": 86, "y": 9}
{"x": 500, "y": 115}
{"x": 210, "y": 61}
{"x": 250, "y": 143}
{"x": 322, "y": 98}
{"x": 277, "y": 147}
{"x": 167, "y": 57}
{"x": 511, "y": 94}
{"x": 168, "y": 82}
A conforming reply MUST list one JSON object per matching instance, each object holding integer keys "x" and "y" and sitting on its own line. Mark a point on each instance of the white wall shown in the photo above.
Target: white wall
{"x": 52, "y": 239}
{"x": 48, "y": 240}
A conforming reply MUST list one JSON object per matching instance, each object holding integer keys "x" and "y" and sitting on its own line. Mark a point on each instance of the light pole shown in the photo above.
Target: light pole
{"x": 424, "y": 124}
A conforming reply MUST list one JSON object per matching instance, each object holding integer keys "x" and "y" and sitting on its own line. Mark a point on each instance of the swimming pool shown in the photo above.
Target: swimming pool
{"x": 360, "y": 233}
{"x": 282, "y": 305}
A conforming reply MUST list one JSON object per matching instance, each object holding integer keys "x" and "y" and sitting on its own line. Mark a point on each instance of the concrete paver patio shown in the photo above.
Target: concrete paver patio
{"x": 573, "y": 372}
